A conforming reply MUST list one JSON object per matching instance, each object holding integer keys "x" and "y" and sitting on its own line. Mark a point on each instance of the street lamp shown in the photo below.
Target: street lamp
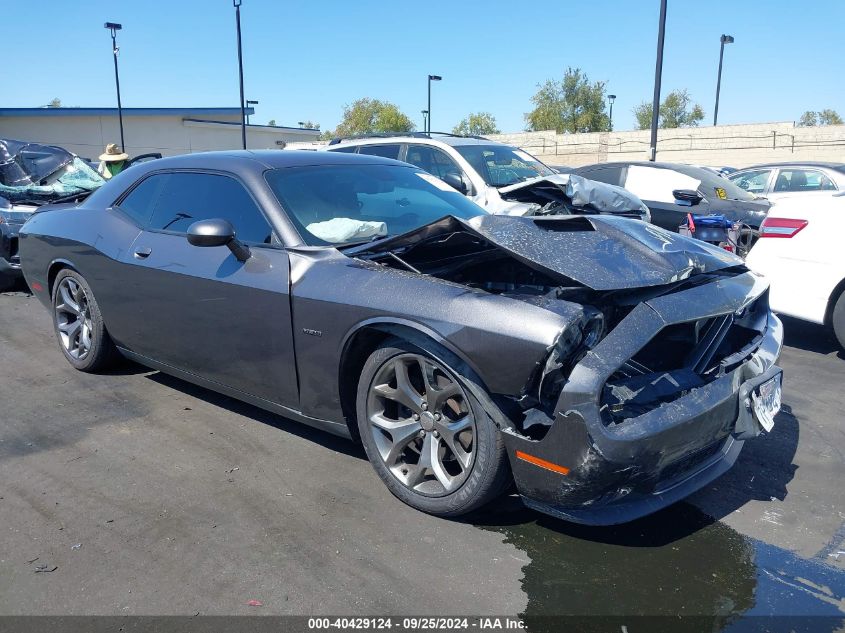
{"x": 725, "y": 39}
{"x": 658, "y": 76}
{"x": 113, "y": 27}
{"x": 611, "y": 98}
{"x": 430, "y": 79}
{"x": 237, "y": 4}
{"x": 425, "y": 119}
{"x": 249, "y": 103}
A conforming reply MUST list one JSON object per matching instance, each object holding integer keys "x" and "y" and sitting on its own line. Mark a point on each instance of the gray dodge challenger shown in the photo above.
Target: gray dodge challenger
{"x": 603, "y": 366}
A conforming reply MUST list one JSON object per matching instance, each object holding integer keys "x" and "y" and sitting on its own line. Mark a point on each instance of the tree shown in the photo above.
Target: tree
{"x": 367, "y": 116}
{"x": 272, "y": 122}
{"x": 309, "y": 125}
{"x": 55, "y": 103}
{"x": 677, "y": 110}
{"x": 476, "y": 124}
{"x": 824, "y": 117}
{"x": 570, "y": 105}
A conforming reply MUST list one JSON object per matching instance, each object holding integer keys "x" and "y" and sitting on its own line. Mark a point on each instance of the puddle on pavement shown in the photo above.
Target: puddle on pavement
{"x": 678, "y": 561}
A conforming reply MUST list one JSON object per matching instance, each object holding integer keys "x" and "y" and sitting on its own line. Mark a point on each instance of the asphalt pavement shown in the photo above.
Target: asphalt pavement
{"x": 136, "y": 493}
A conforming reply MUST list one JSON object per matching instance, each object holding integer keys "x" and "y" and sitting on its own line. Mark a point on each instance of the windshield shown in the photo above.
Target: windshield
{"x": 74, "y": 177}
{"x": 501, "y": 165}
{"x": 351, "y": 204}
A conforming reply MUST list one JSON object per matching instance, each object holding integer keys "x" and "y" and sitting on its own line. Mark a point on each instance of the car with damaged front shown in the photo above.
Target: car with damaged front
{"x": 31, "y": 175}
{"x": 498, "y": 177}
{"x": 605, "y": 366}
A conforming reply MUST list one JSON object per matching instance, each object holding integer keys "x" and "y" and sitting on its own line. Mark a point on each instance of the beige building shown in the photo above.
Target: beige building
{"x": 169, "y": 131}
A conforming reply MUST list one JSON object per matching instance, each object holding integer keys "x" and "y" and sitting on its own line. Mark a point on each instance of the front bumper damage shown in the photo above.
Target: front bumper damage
{"x": 620, "y": 468}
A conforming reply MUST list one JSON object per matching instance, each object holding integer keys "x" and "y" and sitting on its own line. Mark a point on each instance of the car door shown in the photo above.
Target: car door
{"x": 755, "y": 181}
{"x": 200, "y": 309}
{"x": 438, "y": 163}
{"x": 385, "y": 150}
{"x": 654, "y": 186}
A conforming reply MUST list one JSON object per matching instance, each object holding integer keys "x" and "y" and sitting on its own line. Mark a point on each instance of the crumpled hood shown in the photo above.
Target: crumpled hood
{"x": 582, "y": 192}
{"x": 600, "y": 252}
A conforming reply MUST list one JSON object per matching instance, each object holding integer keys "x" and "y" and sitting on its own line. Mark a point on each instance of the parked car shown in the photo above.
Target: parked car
{"x": 671, "y": 191}
{"x": 800, "y": 253}
{"x": 778, "y": 180}
{"x": 500, "y": 178}
{"x": 31, "y": 175}
{"x": 606, "y": 366}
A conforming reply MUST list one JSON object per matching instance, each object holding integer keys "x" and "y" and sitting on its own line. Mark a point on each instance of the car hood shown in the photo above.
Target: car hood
{"x": 581, "y": 191}
{"x": 600, "y": 252}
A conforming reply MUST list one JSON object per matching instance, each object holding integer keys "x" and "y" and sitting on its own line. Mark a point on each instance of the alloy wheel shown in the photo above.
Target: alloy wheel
{"x": 73, "y": 318}
{"x": 422, "y": 424}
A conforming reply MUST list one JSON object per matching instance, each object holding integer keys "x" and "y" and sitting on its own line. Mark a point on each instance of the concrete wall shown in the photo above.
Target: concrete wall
{"x": 731, "y": 145}
{"x": 169, "y": 135}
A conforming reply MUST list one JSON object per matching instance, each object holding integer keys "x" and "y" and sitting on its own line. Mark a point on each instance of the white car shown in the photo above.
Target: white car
{"x": 785, "y": 180}
{"x": 801, "y": 254}
{"x": 502, "y": 179}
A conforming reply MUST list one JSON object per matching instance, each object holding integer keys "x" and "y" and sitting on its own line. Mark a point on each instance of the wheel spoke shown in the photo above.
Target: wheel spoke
{"x": 405, "y": 392}
{"x": 401, "y": 432}
{"x": 437, "y": 397}
{"x": 68, "y": 304}
{"x": 449, "y": 432}
{"x": 445, "y": 479}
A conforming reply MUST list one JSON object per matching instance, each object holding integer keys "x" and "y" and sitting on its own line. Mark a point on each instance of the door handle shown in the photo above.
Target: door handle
{"x": 142, "y": 253}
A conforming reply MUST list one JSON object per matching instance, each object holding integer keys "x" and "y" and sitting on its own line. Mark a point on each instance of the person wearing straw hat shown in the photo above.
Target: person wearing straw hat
{"x": 112, "y": 161}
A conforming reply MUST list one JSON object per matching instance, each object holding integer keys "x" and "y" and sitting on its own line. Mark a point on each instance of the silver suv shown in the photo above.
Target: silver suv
{"x": 500, "y": 178}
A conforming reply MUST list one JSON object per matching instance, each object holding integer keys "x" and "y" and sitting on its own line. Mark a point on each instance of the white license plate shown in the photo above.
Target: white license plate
{"x": 765, "y": 401}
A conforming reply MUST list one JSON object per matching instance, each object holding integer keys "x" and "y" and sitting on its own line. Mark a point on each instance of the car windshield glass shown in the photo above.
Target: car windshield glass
{"x": 501, "y": 165}
{"x": 711, "y": 184}
{"x": 74, "y": 177}
{"x": 351, "y": 204}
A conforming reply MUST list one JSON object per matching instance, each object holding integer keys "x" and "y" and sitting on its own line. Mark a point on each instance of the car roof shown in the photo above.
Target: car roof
{"x": 800, "y": 163}
{"x": 446, "y": 139}
{"x": 270, "y": 159}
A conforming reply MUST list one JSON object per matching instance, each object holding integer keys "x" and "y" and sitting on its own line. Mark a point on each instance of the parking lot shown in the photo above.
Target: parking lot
{"x": 151, "y": 496}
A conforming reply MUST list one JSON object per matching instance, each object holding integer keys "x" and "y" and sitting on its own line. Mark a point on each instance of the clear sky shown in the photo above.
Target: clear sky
{"x": 306, "y": 59}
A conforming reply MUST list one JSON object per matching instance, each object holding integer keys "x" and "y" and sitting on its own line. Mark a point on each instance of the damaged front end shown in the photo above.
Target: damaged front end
{"x": 649, "y": 393}
{"x": 565, "y": 194}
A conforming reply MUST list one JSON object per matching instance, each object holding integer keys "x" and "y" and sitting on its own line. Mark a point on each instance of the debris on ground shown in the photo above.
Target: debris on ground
{"x": 233, "y": 469}
{"x": 77, "y": 546}
{"x": 254, "y": 603}
{"x": 45, "y": 569}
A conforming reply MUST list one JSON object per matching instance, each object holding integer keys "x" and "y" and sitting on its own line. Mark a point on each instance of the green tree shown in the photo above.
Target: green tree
{"x": 476, "y": 124}
{"x": 677, "y": 110}
{"x": 367, "y": 116}
{"x": 272, "y": 122}
{"x": 310, "y": 125}
{"x": 570, "y": 105}
{"x": 824, "y": 117}
{"x": 55, "y": 103}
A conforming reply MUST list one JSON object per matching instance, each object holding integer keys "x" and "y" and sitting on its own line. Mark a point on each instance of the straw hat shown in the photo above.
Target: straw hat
{"x": 113, "y": 154}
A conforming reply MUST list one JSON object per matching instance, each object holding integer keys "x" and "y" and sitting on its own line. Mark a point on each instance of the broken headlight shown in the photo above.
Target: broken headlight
{"x": 571, "y": 346}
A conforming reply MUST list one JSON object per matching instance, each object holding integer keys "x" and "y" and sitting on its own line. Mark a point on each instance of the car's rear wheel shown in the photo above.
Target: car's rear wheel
{"x": 79, "y": 325}
{"x": 837, "y": 319}
{"x": 426, "y": 434}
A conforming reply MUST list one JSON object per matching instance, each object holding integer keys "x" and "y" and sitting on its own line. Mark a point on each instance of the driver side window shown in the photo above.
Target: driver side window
{"x": 171, "y": 202}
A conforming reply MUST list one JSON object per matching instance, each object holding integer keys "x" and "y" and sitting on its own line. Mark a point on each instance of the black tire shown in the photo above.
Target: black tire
{"x": 487, "y": 474}
{"x": 837, "y": 319}
{"x": 100, "y": 353}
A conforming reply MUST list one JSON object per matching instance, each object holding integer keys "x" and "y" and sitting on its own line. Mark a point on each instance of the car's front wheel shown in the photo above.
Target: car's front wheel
{"x": 79, "y": 325}
{"x": 426, "y": 434}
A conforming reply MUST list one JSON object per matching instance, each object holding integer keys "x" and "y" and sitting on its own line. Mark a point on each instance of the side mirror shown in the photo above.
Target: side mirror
{"x": 687, "y": 197}
{"x": 217, "y": 232}
{"x": 456, "y": 181}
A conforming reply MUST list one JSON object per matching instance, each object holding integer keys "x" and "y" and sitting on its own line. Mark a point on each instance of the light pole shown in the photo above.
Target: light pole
{"x": 658, "y": 75}
{"x": 249, "y": 103}
{"x": 425, "y": 120}
{"x": 430, "y": 79}
{"x": 725, "y": 39}
{"x": 237, "y": 4}
{"x": 114, "y": 28}
{"x": 611, "y": 98}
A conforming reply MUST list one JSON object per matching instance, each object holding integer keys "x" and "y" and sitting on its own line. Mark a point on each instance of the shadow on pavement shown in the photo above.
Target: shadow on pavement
{"x": 810, "y": 337}
{"x": 332, "y": 442}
